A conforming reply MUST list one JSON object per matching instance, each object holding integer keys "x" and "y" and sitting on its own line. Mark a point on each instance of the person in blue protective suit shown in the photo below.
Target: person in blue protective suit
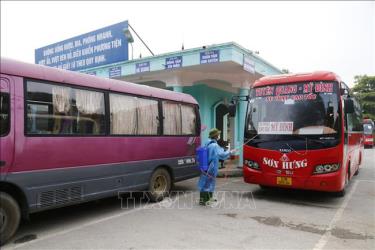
{"x": 207, "y": 180}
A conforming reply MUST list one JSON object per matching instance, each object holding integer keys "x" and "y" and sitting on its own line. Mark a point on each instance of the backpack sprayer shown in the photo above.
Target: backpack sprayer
{"x": 202, "y": 155}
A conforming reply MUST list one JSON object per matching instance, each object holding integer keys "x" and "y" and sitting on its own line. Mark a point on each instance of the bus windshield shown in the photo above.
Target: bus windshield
{"x": 298, "y": 110}
{"x": 367, "y": 129}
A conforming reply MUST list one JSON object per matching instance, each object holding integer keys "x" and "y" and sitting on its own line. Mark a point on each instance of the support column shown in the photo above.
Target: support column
{"x": 233, "y": 132}
{"x": 242, "y": 106}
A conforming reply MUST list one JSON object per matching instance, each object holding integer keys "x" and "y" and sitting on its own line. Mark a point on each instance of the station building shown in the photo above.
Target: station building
{"x": 211, "y": 74}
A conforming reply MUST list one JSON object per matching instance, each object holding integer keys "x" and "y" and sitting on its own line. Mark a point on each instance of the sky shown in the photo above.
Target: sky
{"x": 298, "y": 36}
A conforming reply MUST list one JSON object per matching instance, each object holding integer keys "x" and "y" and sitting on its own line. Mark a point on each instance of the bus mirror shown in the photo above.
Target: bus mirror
{"x": 349, "y": 106}
{"x": 344, "y": 92}
{"x": 232, "y": 109}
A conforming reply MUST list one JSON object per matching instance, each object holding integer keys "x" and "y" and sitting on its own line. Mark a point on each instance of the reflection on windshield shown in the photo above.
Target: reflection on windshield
{"x": 367, "y": 129}
{"x": 294, "y": 109}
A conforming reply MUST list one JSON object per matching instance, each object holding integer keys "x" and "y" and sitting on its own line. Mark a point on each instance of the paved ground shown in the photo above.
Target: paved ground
{"x": 247, "y": 218}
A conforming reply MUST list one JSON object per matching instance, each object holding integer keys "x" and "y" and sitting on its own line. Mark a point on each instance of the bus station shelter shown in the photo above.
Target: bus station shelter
{"x": 211, "y": 74}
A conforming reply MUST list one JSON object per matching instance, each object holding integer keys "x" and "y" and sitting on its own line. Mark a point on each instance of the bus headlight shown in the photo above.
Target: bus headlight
{"x": 252, "y": 164}
{"x": 326, "y": 168}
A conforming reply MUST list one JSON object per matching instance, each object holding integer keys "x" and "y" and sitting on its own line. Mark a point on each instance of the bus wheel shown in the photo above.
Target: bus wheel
{"x": 265, "y": 187}
{"x": 160, "y": 185}
{"x": 343, "y": 191}
{"x": 10, "y": 217}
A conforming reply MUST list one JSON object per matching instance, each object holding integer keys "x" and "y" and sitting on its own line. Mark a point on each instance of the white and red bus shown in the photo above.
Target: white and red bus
{"x": 68, "y": 137}
{"x": 306, "y": 132}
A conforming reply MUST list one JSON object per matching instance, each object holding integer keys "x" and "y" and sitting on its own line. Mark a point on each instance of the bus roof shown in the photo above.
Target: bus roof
{"x": 34, "y": 71}
{"x": 300, "y": 77}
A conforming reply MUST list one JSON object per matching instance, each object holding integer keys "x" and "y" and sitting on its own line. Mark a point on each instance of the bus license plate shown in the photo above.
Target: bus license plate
{"x": 287, "y": 181}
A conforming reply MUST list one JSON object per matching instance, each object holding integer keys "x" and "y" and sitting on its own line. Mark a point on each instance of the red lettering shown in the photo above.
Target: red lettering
{"x": 307, "y": 88}
{"x": 286, "y": 89}
{"x": 266, "y": 91}
{"x": 324, "y": 87}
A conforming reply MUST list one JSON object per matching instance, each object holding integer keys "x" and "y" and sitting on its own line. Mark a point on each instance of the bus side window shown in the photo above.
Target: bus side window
{"x": 131, "y": 115}
{"x": 4, "y": 114}
{"x": 354, "y": 120}
{"x": 189, "y": 120}
{"x": 179, "y": 119}
{"x": 60, "y": 110}
{"x": 147, "y": 117}
{"x": 172, "y": 122}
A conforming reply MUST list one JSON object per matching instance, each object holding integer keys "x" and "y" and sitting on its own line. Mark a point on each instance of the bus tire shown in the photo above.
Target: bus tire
{"x": 340, "y": 193}
{"x": 160, "y": 185}
{"x": 10, "y": 216}
{"x": 343, "y": 191}
{"x": 263, "y": 187}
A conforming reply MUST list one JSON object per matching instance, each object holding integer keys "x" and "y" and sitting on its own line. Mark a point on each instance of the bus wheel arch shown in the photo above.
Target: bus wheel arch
{"x": 17, "y": 194}
{"x": 359, "y": 164}
{"x": 160, "y": 183}
{"x": 10, "y": 217}
{"x": 342, "y": 192}
{"x": 347, "y": 173}
{"x": 169, "y": 169}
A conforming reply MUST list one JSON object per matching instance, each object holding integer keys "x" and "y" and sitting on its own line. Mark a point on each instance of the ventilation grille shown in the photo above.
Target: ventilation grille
{"x": 60, "y": 196}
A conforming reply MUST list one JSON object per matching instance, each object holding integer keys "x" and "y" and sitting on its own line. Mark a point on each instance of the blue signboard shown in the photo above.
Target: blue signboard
{"x": 93, "y": 49}
{"x": 173, "y": 62}
{"x": 212, "y": 56}
{"x": 114, "y": 72}
{"x": 248, "y": 64}
{"x": 142, "y": 67}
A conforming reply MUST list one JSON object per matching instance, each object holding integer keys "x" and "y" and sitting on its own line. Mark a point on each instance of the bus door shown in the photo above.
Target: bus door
{"x": 6, "y": 124}
{"x": 354, "y": 129}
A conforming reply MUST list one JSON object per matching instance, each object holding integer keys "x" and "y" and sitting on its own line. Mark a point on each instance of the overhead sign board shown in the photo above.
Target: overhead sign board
{"x": 173, "y": 62}
{"x": 212, "y": 56}
{"x": 142, "y": 67}
{"x": 103, "y": 46}
{"x": 248, "y": 64}
{"x": 114, "y": 72}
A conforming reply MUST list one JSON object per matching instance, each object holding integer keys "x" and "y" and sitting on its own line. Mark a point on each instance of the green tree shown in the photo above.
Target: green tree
{"x": 364, "y": 90}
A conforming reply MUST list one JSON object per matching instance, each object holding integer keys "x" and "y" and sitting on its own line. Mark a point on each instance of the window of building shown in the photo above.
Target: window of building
{"x": 132, "y": 115}
{"x": 179, "y": 119}
{"x": 61, "y": 110}
{"x": 4, "y": 114}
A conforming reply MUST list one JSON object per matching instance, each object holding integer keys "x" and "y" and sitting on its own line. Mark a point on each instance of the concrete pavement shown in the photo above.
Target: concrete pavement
{"x": 246, "y": 217}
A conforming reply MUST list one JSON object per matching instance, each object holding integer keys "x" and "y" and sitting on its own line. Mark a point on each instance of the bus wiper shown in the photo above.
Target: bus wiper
{"x": 266, "y": 140}
{"x": 283, "y": 139}
{"x": 310, "y": 139}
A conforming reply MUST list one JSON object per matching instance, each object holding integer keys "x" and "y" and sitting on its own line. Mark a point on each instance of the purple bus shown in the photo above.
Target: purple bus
{"x": 68, "y": 137}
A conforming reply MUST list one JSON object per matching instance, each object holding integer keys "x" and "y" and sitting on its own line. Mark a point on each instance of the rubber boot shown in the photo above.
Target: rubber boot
{"x": 203, "y": 198}
{"x": 211, "y": 197}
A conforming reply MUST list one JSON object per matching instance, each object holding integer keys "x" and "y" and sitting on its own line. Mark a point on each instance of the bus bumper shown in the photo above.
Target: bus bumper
{"x": 368, "y": 142}
{"x": 331, "y": 182}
